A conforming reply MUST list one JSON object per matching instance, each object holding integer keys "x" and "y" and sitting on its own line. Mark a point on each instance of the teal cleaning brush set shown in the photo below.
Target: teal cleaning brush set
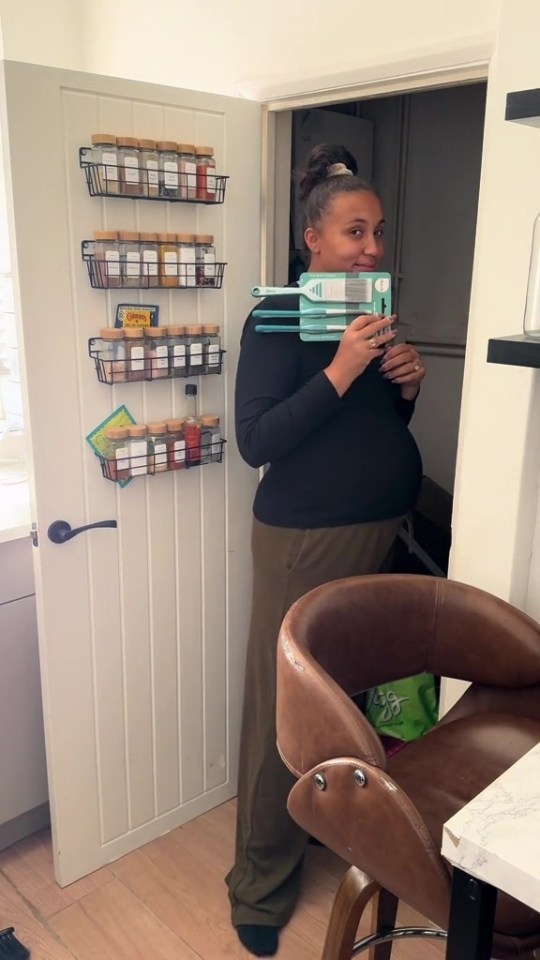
{"x": 328, "y": 302}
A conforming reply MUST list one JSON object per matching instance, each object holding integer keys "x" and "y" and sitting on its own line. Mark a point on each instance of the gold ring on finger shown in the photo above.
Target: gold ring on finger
{"x": 372, "y": 343}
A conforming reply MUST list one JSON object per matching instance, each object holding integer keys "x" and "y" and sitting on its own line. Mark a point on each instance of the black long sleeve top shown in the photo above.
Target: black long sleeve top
{"x": 332, "y": 460}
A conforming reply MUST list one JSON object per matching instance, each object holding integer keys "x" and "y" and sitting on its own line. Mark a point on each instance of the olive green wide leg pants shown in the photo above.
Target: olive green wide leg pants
{"x": 264, "y": 881}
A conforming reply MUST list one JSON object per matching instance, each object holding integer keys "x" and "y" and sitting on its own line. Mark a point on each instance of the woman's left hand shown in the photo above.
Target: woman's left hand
{"x": 402, "y": 364}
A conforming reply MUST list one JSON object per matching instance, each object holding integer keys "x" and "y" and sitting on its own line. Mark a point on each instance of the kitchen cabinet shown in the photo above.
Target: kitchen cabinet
{"x": 24, "y": 796}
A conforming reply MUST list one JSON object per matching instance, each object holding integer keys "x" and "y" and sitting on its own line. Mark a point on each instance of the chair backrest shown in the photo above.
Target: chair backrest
{"x": 350, "y": 635}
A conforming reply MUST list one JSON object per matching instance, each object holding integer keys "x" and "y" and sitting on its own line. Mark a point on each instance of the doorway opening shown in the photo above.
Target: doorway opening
{"x": 423, "y": 153}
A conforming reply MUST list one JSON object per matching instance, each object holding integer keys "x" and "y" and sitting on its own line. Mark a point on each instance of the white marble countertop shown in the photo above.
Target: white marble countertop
{"x": 496, "y": 837}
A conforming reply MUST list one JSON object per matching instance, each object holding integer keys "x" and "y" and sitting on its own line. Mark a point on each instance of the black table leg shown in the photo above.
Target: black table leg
{"x": 472, "y": 914}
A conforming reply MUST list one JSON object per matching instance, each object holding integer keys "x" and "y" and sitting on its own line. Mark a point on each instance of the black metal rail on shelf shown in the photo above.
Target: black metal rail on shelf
{"x": 117, "y": 369}
{"x": 99, "y": 185}
{"x": 130, "y": 468}
{"x": 186, "y": 276}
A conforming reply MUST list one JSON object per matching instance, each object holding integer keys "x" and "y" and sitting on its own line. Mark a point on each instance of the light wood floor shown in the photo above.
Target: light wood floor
{"x": 166, "y": 901}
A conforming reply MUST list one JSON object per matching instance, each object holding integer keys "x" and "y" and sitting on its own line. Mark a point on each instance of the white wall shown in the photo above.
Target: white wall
{"x": 43, "y": 31}
{"x": 213, "y": 46}
{"x": 498, "y": 458}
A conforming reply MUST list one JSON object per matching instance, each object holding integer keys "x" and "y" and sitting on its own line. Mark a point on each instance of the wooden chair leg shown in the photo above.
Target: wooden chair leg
{"x": 354, "y": 893}
{"x": 383, "y": 915}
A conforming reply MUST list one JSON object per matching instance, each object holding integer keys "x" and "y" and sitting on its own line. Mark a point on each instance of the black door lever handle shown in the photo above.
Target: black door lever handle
{"x": 60, "y": 531}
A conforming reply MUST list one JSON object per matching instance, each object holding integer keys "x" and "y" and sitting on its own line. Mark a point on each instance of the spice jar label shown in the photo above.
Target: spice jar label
{"x": 150, "y": 260}
{"x": 131, "y": 165}
{"x": 133, "y": 265}
{"x": 136, "y": 358}
{"x": 138, "y": 458}
{"x": 190, "y": 171}
{"x": 152, "y": 173}
{"x": 195, "y": 354}
{"x": 186, "y": 259}
{"x": 160, "y": 455}
{"x": 162, "y": 357}
{"x": 179, "y": 355}
{"x": 122, "y": 458}
{"x": 213, "y": 354}
{"x": 112, "y": 258}
{"x": 110, "y": 161}
{"x": 170, "y": 261}
{"x": 209, "y": 265}
{"x": 179, "y": 451}
{"x": 170, "y": 173}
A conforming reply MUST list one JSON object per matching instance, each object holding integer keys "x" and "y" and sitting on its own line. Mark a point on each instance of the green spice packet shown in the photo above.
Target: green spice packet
{"x": 121, "y": 417}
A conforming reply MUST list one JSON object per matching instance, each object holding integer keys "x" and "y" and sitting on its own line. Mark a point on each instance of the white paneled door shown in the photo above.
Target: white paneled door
{"x": 142, "y": 627}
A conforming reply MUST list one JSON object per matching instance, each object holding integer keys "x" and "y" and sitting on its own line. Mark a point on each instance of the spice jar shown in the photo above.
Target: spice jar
{"x": 210, "y": 439}
{"x": 157, "y": 434}
{"x": 149, "y": 259}
{"x": 168, "y": 168}
{"x": 138, "y": 448}
{"x": 117, "y": 453}
{"x": 176, "y": 445}
{"x": 130, "y": 258}
{"x": 205, "y": 260}
{"x": 107, "y": 258}
{"x": 149, "y": 168}
{"x": 206, "y": 176}
{"x": 128, "y": 159}
{"x": 168, "y": 260}
{"x": 186, "y": 260}
{"x": 176, "y": 339}
{"x": 192, "y": 428}
{"x": 211, "y": 348}
{"x": 187, "y": 167}
{"x": 112, "y": 358}
{"x": 135, "y": 363}
{"x": 195, "y": 349}
{"x": 156, "y": 352}
{"x": 105, "y": 154}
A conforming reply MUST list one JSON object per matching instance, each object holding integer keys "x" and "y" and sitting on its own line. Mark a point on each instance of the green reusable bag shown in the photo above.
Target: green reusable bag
{"x": 404, "y": 709}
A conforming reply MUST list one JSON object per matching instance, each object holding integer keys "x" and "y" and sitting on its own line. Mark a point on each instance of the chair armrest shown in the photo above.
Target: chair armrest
{"x": 315, "y": 718}
{"x": 375, "y": 827}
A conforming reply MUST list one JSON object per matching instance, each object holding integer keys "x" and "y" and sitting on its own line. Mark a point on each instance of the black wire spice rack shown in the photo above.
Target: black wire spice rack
{"x": 131, "y": 468}
{"x": 99, "y": 186}
{"x": 113, "y": 369}
{"x": 101, "y": 278}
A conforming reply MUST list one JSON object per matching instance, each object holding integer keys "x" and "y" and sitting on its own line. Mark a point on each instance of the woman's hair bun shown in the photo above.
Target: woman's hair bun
{"x": 318, "y": 165}
{"x": 329, "y": 171}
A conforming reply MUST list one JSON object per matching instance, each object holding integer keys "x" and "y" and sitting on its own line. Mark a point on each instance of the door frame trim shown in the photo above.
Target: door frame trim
{"x": 452, "y": 62}
{"x": 454, "y": 66}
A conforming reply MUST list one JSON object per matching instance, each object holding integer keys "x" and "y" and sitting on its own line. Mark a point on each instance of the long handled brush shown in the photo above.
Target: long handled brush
{"x": 323, "y": 300}
{"x": 336, "y": 288}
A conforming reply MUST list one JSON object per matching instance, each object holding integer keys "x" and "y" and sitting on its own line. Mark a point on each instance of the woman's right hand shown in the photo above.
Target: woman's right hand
{"x": 359, "y": 346}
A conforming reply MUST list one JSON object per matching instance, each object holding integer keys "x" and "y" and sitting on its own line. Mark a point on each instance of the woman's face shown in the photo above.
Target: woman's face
{"x": 349, "y": 238}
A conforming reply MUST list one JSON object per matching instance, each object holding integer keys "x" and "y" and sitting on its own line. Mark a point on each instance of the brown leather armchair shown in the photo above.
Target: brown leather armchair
{"x": 384, "y": 816}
